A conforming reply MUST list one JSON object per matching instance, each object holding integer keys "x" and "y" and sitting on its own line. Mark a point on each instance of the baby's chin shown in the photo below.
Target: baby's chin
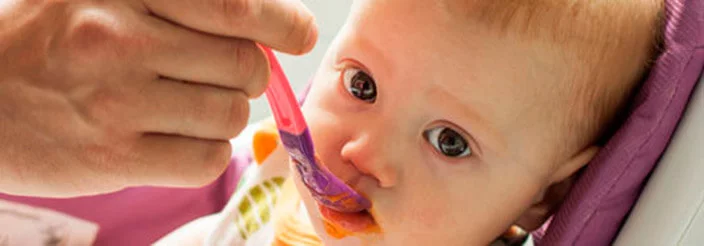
{"x": 331, "y": 237}
{"x": 319, "y": 223}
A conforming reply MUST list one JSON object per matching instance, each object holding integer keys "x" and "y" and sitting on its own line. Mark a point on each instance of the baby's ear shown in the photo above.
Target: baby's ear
{"x": 552, "y": 197}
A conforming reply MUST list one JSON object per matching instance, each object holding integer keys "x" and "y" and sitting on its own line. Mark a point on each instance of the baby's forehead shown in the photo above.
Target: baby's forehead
{"x": 434, "y": 36}
{"x": 502, "y": 14}
{"x": 459, "y": 22}
{"x": 434, "y": 40}
{"x": 412, "y": 23}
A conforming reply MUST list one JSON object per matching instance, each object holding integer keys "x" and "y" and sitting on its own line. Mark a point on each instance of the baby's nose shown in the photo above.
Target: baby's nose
{"x": 368, "y": 158}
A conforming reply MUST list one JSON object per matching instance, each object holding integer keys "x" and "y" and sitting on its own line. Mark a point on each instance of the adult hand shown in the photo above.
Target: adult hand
{"x": 98, "y": 95}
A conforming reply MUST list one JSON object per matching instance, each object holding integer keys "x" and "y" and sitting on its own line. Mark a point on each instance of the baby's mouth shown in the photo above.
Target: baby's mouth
{"x": 339, "y": 223}
{"x": 342, "y": 224}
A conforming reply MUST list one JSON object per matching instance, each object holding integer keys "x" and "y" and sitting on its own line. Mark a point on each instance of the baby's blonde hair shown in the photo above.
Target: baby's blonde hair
{"x": 610, "y": 45}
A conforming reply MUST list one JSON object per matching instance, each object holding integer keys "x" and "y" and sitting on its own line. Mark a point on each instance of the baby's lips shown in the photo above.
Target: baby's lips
{"x": 343, "y": 202}
{"x": 330, "y": 191}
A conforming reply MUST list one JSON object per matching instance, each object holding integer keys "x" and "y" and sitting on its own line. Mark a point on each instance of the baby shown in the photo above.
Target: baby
{"x": 458, "y": 119}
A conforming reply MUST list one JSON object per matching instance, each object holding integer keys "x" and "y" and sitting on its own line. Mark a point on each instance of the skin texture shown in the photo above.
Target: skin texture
{"x": 483, "y": 85}
{"x": 96, "y": 95}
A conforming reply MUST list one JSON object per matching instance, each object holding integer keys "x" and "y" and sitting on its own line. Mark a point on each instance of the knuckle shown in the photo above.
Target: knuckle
{"x": 302, "y": 23}
{"x": 91, "y": 32}
{"x": 104, "y": 106}
{"x": 227, "y": 113}
{"x": 235, "y": 13}
{"x": 259, "y": 79}
{"x": 237, "y": 115}
{"x": 248, "y": 59}
{"x": 198, "y": 110}
{"x": 215, "y": 161}
{"x": 99, "y": 34}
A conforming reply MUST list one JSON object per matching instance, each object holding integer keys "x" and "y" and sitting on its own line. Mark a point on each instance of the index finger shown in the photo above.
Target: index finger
{"x": 284, "y": 25}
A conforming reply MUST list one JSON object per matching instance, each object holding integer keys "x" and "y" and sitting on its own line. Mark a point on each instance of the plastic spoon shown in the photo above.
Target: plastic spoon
{"x": 325, "y": 187}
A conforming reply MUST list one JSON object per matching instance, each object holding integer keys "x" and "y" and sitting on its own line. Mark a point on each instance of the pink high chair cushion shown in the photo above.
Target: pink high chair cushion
{"x": 606, "y": 191}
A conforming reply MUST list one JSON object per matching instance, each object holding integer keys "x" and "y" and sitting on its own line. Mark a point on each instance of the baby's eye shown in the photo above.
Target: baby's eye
{"x": 359, "y": 84}
{"x": 448, "y": 142}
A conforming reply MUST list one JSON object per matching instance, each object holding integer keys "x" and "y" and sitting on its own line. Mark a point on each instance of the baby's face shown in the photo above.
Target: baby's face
{"x": 439, "y": 123}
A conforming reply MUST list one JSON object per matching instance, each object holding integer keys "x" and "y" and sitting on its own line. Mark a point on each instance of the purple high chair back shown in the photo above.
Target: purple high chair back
{"x": 604, "y": 194}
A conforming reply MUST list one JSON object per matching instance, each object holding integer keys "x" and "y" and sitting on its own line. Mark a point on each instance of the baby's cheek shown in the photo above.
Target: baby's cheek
{"x": 426, "y": 214}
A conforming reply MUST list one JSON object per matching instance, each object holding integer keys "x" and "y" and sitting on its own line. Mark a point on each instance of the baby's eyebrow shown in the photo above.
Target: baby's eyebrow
{"x": 372, "y": 54}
